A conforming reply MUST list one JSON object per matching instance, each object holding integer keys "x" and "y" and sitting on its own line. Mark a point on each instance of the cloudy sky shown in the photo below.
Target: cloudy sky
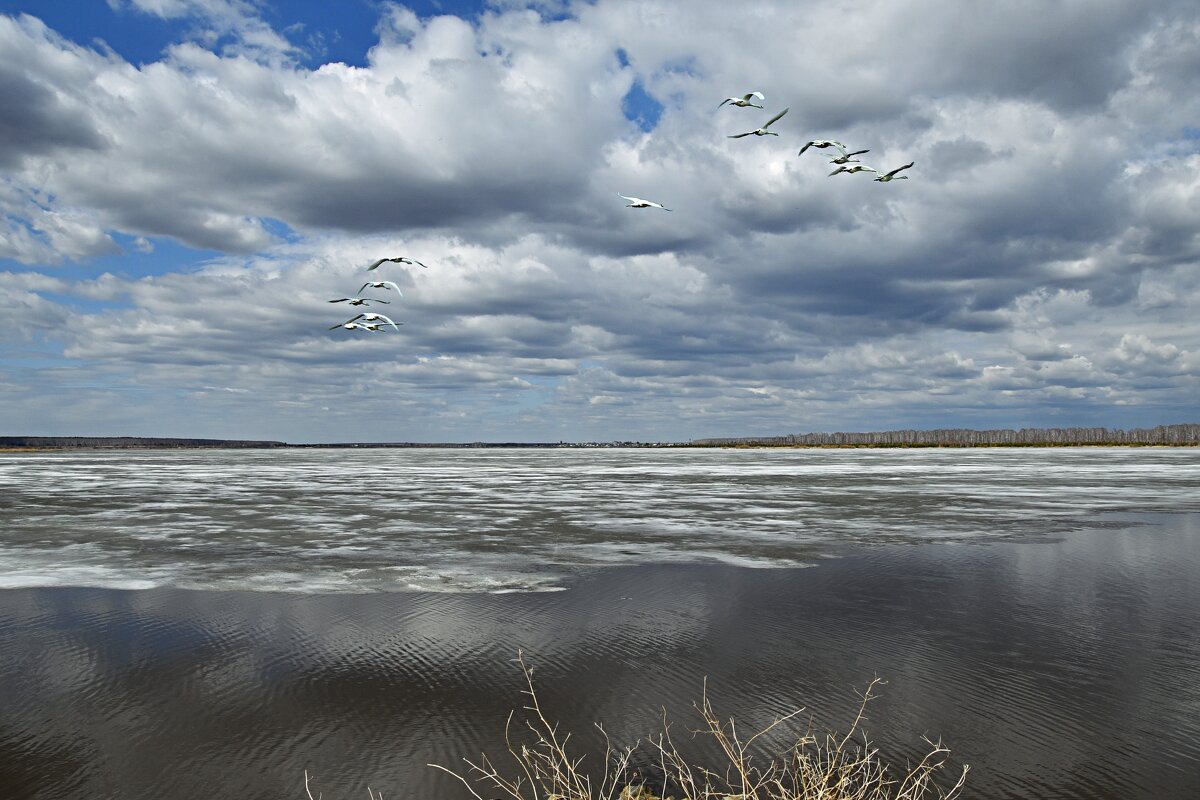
{"x": 185, "y": 184}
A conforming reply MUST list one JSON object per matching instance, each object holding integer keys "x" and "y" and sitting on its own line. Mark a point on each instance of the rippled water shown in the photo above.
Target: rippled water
{"x": 1036, "y": 609}
{"x": 323, "y": 521}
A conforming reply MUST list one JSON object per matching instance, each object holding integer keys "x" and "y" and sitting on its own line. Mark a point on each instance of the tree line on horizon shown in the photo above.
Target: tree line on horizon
{"x": 1187, "y": 434}
{"x": 128, "y": 442}
{"x": 1184, "y": 434}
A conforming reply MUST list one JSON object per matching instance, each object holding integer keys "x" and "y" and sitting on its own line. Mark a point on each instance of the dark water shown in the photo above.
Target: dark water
{"x": 1059, "y": 665}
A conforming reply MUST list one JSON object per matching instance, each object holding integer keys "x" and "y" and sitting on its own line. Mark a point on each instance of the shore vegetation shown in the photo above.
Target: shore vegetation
{"x": 779, "y": 761}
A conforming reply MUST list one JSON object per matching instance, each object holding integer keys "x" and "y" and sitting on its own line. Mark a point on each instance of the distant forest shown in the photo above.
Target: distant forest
{"x": 1170, "y": 435}
{"x": 1176, "y": 435}
{"x": 126, "y": 442}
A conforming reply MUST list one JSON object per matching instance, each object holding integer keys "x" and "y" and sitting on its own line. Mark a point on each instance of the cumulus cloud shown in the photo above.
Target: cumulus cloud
{"x": 1041, "y": 254}
{"x": 235, "y": 27}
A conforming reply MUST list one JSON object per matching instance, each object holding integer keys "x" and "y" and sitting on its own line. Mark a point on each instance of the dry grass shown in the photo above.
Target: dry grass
{"x": 826, "y": 767}
{"x": 371, "y": 794}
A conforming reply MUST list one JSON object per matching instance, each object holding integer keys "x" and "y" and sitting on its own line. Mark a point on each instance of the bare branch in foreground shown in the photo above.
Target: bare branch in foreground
{"x": 307, "y": 790}
{"x": 810, "y": 768}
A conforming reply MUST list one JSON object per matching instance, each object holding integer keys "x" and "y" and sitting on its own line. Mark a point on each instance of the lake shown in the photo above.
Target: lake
{"x": 213, "y": 623}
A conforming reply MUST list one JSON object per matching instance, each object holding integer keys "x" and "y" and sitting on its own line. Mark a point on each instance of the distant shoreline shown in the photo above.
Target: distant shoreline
{"x": 1182, "y": 435}
{"x": 899, "y": 446}
{"x": 606, "y": 446}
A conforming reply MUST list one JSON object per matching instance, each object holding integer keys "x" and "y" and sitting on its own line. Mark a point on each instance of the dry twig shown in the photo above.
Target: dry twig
{"x": 811, "y": 768}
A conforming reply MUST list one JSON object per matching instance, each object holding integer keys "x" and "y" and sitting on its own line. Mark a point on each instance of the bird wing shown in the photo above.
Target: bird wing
{"x": 631, "y": 199}
{"x": 802, "y": 149}
{"x": 335, "y": 327}
{"x": 776, "y": 117}
{"x": 377, "y": 263}
{"x": 364, "y": 286}
{"x": 739, "y": 135}
{"x": 373, "y": 300}
{"x": 857, "y": 153}
{"x": 341, "y": 300}
{"x": 899, "y": 169}
{"x": 394, "y": 286}
{"x": 726, "y": 100}
{"x": 759, "y": 95}
{"x": 836, "y": 171}
{"x": 419, "y": 264}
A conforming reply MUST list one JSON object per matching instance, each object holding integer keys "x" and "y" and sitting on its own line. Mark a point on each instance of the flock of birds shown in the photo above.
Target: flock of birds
{"x": 845, "y": 161}
{"x": 367, "y": 320}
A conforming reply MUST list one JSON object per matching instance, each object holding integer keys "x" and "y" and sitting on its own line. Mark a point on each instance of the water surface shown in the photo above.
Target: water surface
{"x": 1035, "y": 609}
{"x": 323, "y": 521}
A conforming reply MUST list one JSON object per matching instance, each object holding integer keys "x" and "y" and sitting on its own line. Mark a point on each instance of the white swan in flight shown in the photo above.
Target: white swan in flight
{"x": 845, "y": 158}
{"x": 763, "y": 130}
{"x": 637, "y": 202}
{"x": 397, "y": 260}
{"x": 359, "y": 301}
{"x": 892, "y": 176}
{"x": 369, "y": 318}
{"x": 853, "y": 169}
{"x": 743, "y": 101}
{"x": 381, "y": 285}
{"x": 359, "y": 326}
{"x": 823, "y": 143}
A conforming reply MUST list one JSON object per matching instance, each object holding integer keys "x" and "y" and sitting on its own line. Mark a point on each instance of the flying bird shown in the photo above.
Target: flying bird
{"x": 369, "y": 318}
{"x": 823, "y": 143}
{"x": 359, "y": 301}
{"x": 763, "y": 130}
{"x": 397, "y": 260}
{"x": 845, "y": 158}
{"x": 852, "y": 169}
{"x": 637, "y": 202}
{"x": 381, "y": 285}
{"x": 892, "y": 176}
{"x": 352, "y": 325}
{"x": 743, "y": 101}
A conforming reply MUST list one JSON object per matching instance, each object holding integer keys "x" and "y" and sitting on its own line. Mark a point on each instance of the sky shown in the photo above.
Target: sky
{"x": 186, "y": 184}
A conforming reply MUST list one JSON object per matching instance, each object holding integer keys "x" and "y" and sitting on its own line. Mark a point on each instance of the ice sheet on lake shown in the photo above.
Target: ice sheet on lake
{"x": 525, "y": 520}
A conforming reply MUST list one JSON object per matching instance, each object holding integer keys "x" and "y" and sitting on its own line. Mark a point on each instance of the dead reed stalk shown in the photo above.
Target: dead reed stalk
{"x": 826, "y": 767}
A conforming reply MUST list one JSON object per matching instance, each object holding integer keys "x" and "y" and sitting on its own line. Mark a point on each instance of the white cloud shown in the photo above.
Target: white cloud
{"x": 1042, "y": 252}
{"x": 234, "y": 26}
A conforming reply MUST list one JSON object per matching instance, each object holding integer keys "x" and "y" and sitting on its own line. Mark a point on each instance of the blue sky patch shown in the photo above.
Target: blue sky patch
{"x": 324, "y": 32}
{"x": 280, "y": 229}
{"x": 641, "y": 107}
{"x": 162, "y": 256}
{"x": 138, "y": 38}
